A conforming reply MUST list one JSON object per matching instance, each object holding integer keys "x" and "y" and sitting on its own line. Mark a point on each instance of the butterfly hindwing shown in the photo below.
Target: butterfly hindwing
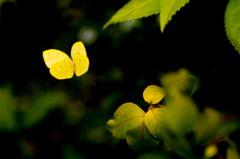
{"x": 62, "y": 69}
{"x": 81, "y": 64}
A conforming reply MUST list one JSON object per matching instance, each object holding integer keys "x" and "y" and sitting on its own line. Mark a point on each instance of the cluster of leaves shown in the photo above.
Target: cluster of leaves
{"x": 178, "y": 122}
{"x": 135, "y": 9}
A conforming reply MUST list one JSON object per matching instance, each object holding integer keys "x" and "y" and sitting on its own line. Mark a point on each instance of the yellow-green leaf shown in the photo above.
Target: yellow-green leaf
{"x": 154, "y": 119}
{"x": 168, "y": 9}
{"x": 153, "y": 94}
{"x": 135, "y": 9}
{"x": 139, "y": 139}
{"x": 126, "y": 117}
{"x": 179, "y": 82}
{"x": 232, "y": 23}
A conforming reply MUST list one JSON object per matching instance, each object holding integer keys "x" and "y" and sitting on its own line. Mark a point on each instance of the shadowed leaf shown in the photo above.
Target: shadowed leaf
{"x": 7, "y": 110}
{"x": 40, "y": 106}
{"x": 139, "y": 139}
{"x": 153, "y": 94}
{"x": 126, "y": 117}
{"x": 135, "y": 9}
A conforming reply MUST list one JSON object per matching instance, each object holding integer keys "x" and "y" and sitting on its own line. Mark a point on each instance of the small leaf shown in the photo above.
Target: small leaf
{"x": 210, "y": 151}
{"x": 126, "y": 117}
{"x": 135, "y": 9}
{"x": 154, "y": 120}
{"x": 139, "y": 139}
{"x": 153, "y": 94}
{"x": 181, "y": 114}
{"x": 168, "y": 9}
{"x": 232, "y": 23}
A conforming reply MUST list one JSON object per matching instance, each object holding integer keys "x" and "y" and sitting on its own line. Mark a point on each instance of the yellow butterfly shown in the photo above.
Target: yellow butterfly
{"x": 62, "y": 66}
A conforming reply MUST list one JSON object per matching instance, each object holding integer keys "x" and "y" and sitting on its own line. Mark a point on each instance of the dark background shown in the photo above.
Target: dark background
{"x": 122, "y": 65}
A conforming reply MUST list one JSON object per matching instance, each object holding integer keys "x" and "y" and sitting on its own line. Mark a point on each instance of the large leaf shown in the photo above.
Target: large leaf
{"x": 154, "y": 121}
{"x": 232, "y": 23}
{"x": 40, "y": 106}
{"x": 135, "y": 9}
{"x": 181, "y": 114}
{"x": 126, "y": 117}
{"x": 168, "y": 9}
{"x": 153, "y": 94}
{"x": 139, "y": 139}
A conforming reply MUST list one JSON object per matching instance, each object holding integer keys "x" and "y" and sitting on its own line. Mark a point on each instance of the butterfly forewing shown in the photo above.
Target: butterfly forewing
{"x": 78, "y": 48}
{"x": 62, "y": 69}
{"x": 81, "y": 64}
{"x": 51, "y": 56}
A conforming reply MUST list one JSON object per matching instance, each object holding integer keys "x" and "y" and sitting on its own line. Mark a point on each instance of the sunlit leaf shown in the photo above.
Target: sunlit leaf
{"x": 181, "y": 114}
{"x": 179, "y": 82}
{"x": 232, "y": 23}
{"x": 139, "y": 139}
{"x": 135, "y": 9}
{"x": 168, "y": 9}
{"x": 207, "y": 125}
{"x": 126, "y": 117}
{"x": 210, "y": 151}
{"x": 40, "y": 106}
{"x": 7, "y": 111}
{"x": 153, "y": 94}
{"x": 154, "y": 121}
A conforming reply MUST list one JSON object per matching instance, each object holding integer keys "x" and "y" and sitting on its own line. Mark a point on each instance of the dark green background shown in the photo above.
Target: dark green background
{"x": 122, "y": 65}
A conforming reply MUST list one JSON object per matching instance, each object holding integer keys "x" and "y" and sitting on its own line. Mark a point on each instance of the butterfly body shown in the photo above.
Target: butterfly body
{"x": 62, "y": 66}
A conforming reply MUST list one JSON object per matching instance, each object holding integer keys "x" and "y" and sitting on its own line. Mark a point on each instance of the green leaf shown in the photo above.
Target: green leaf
{"x": 7, "y": 110}
{"x": 207, "y": 125}
{"x": 168, "y": 9}
{"x": 139, "y": 139}
{"x": 135, "y": 9}
{"x": 180, "y": 82}
{"x": 153, "y": 94}
{"x": 232, "y": 23}
{"x": 126, "y": 117}
{"x": 154, "y": 121}
{"x": 40, "y": 106}
{"x": 181, "y": 114}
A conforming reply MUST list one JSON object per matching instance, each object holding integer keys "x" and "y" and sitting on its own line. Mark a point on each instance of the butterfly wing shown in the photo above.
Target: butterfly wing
{"x": 60, "y": 64}
{"x": 51, "y": 56}
{"x": 81, "y": 64}
{"x": 79, "y": 56}
{"x": 62, "y": 69}
{"x": 78, "y": 48}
